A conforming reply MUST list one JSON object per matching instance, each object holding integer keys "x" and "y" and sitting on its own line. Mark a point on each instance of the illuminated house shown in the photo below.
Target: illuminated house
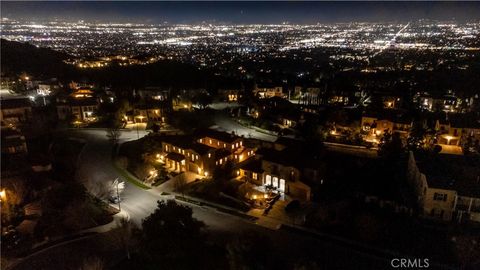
{"x": 310, "y": 96}
{"x": 288, "y": 166}
{"x": 268, "y": 91}
{"x": 219, "y": 139}
{"x": 203, "y": 152}
{"x": 291, "y": 119}
{"x": 230, "y": 95}
{"x": 446, "y": 187}
{"x": 375, "y": 125}
{"x": 80, "y": 106}
{"x": 145, "y": 113}
{"x": 457, "y": 130}
{"x": 446, "y": 103}
{"x": 277, "y": 170}
{"x": 182, "y": 153}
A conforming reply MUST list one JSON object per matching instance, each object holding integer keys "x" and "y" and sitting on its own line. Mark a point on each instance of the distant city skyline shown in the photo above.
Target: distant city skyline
{"x": 242, "y": 12}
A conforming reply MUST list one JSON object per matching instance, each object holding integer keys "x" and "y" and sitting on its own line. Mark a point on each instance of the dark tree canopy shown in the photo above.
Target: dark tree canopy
{"x": 172, "y": 237}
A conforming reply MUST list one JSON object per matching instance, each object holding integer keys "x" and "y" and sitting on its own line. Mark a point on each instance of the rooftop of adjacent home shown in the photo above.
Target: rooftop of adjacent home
{"x": 452, "y": 172}
{"x": 215, "y": 134}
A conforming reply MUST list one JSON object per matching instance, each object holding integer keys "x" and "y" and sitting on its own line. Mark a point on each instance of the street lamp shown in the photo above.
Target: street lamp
{"x": 118, "y": 185}
{"x": 141, "y": 120}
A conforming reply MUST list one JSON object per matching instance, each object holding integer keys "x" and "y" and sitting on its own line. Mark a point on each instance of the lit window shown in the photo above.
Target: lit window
{"x": 221, "y": 161}
{"x": 210, "y": 141}
{"x": 209, "y": 155}
{"x": 254, "y": 176}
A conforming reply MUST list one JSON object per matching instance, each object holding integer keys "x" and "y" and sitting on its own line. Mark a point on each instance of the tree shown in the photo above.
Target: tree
{"x": 249, "y": 250}
{"x": 93, "y": 263}
{"x": 113, "y": 134}
{"x": 124, "y": 236}
{"x": 170, "y": 236}
{"x": 390, "y": 146}
{"x": 417, "y": 136}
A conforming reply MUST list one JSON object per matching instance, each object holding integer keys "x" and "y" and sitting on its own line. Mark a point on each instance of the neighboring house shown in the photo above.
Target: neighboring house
{"x": 288, "y": 166}
{"x": 339, "y": 98}
{"x": 252, "y": 171}
{"x": 83, "y": 110}
{"x": 391, "y": 101}
{"x": 81, "y": 106}
{"x": 230, "y": 95}
{"x": 268, "y": 91}
{"x": 291, "y": 119}
{"x": 155, "y": 93}
{"x": 446, "y": 103}
{"x": 15, "y": 111}
{"x": 457, "y": 130}
{"x": 145, "y": 113}
{"x": 375, "y": 125}
{"x": 446, "y": 134}
{"x": 13, "y": 142}
{"x": 181, "y": 104}
{"x": 310, "y": 95}
{"x": 447, "y": 187}
{"x": 219, "y": 139}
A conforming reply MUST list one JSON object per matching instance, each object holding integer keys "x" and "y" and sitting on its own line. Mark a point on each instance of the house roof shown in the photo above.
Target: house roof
{"x": 182, "y": 141}
{"x": 218, "y": 135}
{"x": 221, "y": 153}
{"x": 201, "y": 149}
{"x": 452, "y": 172}
{"x": 13, "y": 103}
{"x": 252, "y": 165}
{"x": 187, "y": 142}
{"x": 175, "y": 156}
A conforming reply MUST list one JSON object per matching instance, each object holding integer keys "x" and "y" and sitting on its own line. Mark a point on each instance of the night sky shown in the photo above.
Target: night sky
{"x": 242, "y": 12}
